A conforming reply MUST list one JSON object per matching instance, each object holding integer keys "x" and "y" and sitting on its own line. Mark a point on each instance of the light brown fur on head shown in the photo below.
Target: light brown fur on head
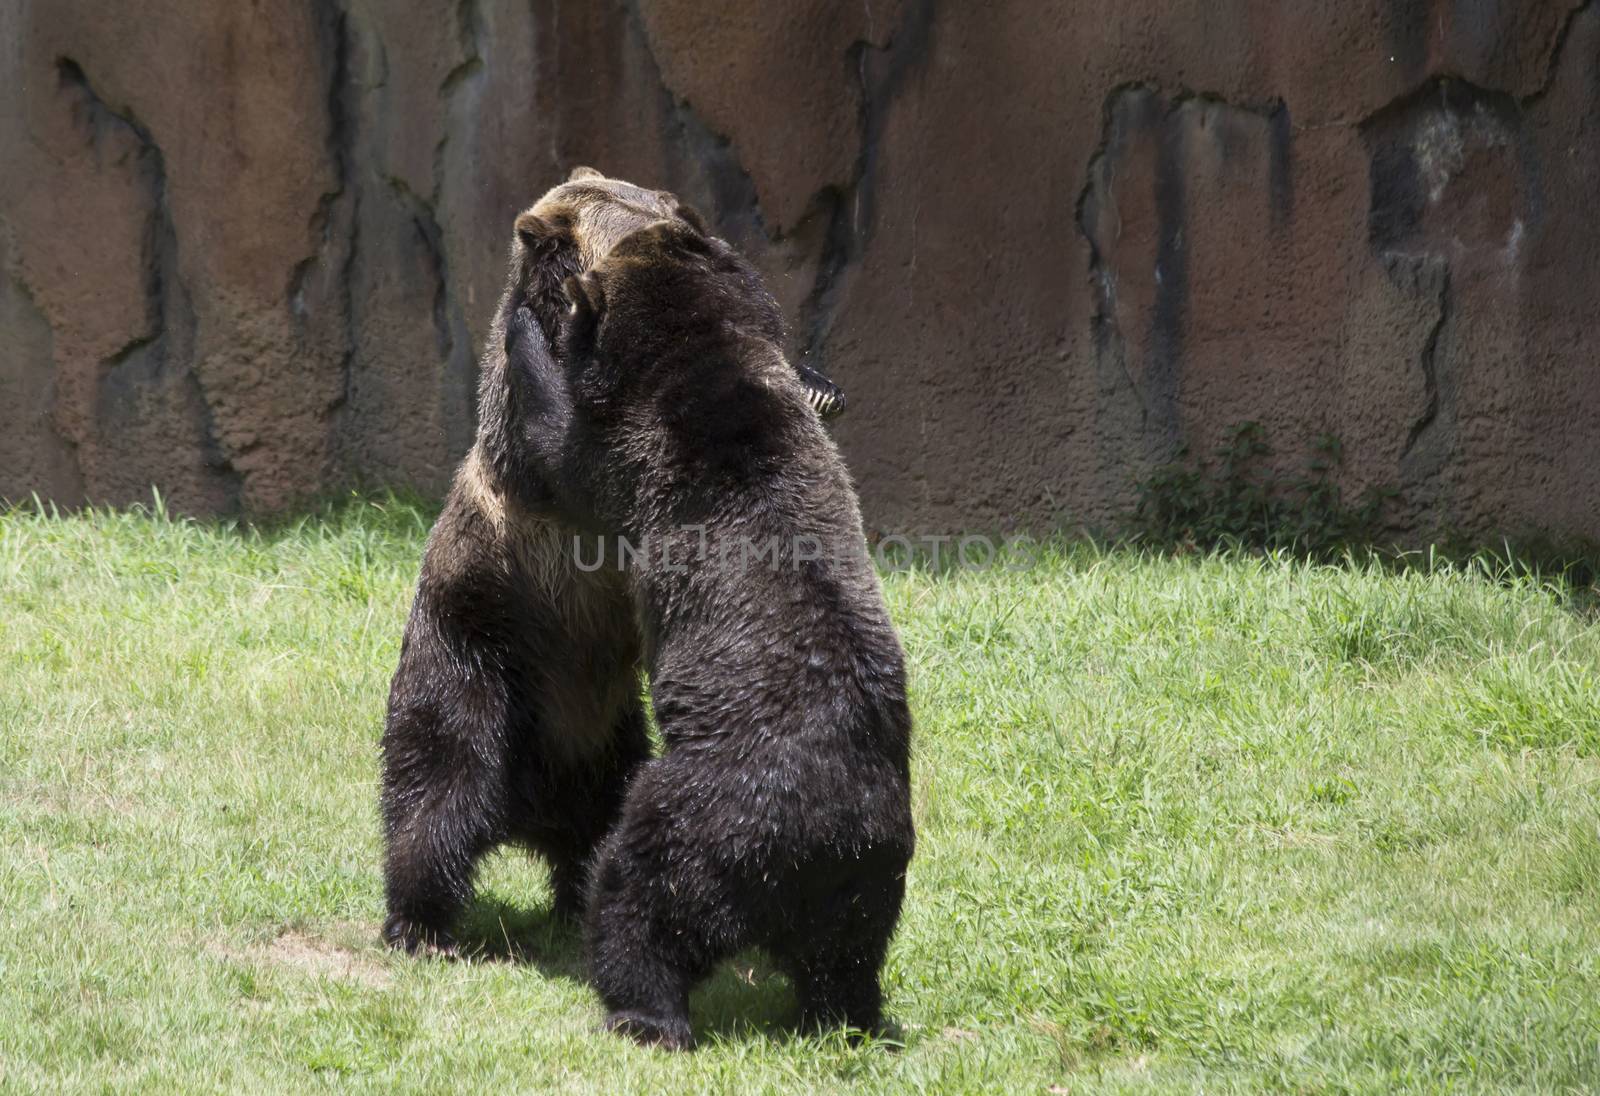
{"x": 574, "y": 226}
{"x": 596, "y": 212}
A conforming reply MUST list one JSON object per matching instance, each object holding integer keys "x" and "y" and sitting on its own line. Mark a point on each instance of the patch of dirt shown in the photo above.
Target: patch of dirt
{"x": 317, "y": 957}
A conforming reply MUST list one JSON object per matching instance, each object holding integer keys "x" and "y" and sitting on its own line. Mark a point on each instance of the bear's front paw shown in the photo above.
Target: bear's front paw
{"x": 404, "y": 934}
{"x": 669, "y": 1033}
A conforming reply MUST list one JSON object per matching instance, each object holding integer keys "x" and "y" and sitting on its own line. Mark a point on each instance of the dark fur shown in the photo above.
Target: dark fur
{"x": 779, "y": 815}
{"x": 514, "y": 714}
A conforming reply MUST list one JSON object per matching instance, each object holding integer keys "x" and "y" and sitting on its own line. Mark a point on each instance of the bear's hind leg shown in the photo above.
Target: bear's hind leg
{"x": 642, "y": 966}
{"x": 587, "y": 806}
{"x": 657, "y": 917}
{"x": 642, "y": 977}
{"x": 434, "y": 844}
{"x": 444, "y": 805}
{"x": 837, "y": 952}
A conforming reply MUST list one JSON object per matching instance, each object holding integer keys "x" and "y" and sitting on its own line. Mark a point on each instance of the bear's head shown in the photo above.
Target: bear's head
{"x": 571, "y": 230}
{"x": 663, "y": 379}
{"x": 574, "y": 226}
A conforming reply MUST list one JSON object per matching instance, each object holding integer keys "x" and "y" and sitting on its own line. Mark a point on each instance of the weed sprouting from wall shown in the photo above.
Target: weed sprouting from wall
{"x": 1236, "y": 499}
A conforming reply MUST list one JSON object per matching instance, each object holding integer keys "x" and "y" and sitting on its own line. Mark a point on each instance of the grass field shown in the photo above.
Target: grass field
{"x": 1206, "y": 823}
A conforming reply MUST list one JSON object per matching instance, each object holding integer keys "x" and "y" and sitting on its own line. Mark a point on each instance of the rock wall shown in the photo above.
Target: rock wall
{"x": 248, "y": 250}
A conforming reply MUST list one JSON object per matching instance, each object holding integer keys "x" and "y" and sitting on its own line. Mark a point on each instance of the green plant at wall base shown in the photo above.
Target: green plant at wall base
{"x": 1235, "y": 500}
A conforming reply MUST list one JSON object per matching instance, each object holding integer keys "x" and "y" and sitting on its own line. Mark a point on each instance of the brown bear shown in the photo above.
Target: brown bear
{"x": 515, "y": 713}
{"x": 780, "y": 814}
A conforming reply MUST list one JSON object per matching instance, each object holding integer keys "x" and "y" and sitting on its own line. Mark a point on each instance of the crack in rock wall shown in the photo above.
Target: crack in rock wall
{"x": 249, "y": 255}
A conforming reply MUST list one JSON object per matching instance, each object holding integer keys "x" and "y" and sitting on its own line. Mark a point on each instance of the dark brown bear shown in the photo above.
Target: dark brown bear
{"x": 515, "y": 713}
{"x": 779, "y": 815}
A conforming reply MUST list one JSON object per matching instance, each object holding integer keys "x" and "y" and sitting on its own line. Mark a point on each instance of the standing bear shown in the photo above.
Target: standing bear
{"x": 779, "y": 815}
{"x": 515, "y": 714}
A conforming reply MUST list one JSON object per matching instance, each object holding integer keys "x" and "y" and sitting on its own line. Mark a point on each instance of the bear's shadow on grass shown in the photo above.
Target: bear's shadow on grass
{"x": 745, "y": 999}
{"x": 493, "y": 930}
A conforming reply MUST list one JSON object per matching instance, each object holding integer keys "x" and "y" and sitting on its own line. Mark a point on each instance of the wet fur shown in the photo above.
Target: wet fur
{"x": 779, "y": 815}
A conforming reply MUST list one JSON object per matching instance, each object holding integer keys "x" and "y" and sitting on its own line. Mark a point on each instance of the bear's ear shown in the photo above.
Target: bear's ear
{"x": 582, "y": 172}
{"x": 539, "y": 233}
{"x": 690, "y": 216}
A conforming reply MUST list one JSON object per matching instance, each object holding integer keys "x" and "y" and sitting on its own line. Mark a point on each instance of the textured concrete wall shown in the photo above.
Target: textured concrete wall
{"x": 248, "y": 250}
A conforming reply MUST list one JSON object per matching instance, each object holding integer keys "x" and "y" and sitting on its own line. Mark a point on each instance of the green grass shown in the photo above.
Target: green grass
{"x": 1216, "y": 823}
